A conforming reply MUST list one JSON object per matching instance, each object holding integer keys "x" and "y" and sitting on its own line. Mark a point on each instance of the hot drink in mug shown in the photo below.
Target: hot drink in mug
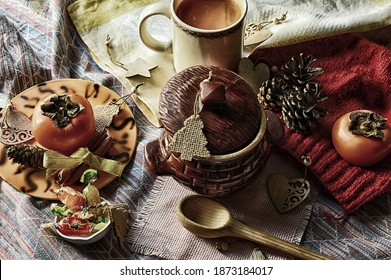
{"x": 209, "y": 14}
{"x": 204, "y": 32}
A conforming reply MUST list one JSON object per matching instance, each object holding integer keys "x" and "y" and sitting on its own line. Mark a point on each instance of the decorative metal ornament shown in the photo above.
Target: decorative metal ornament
{"x": 256, "y": 32}
{"x": 15, "y": 127}
{"x": 287, "y": 194}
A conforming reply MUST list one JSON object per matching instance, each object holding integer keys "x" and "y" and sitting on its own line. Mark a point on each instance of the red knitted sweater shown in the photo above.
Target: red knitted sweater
{"x": 357, "y": 75}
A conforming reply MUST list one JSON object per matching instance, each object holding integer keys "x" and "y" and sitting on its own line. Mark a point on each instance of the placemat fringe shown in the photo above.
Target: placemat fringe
{"x": 306, "y": 215}
{"x": 146, "y": 210}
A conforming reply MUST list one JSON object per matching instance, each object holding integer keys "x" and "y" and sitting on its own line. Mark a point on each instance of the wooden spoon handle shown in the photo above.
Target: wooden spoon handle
{"x": 295, "y": 250}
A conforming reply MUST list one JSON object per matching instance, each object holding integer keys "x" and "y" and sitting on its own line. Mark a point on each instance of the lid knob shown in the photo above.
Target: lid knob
{"x": 211, "y": 92}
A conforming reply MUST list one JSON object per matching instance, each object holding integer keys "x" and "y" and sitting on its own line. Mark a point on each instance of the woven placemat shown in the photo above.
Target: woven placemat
{"x": 157, "y": 231}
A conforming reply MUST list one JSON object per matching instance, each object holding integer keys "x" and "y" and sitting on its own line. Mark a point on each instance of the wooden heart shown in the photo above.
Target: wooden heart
{"x": 287, "y": 194}
{"x": 254, "y": 75}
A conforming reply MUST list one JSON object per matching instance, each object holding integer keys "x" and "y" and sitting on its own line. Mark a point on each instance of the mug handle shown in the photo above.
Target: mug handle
{"x": 147, "y": 39}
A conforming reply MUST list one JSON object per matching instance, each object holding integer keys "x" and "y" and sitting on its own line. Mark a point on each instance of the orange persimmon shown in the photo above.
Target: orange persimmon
{"x": 63, "y": 123}
{"x": 362, "y": 137}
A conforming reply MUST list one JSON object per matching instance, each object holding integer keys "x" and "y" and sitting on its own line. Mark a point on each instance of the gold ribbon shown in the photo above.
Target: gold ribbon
{"x": 54, "y": 161}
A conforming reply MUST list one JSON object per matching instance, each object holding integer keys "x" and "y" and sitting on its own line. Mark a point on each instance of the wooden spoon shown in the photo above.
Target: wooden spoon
{"x": 207, "y": 218}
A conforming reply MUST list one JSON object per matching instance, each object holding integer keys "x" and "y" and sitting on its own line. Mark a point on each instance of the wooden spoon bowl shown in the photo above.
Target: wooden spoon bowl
{"x": 207, "y": 218}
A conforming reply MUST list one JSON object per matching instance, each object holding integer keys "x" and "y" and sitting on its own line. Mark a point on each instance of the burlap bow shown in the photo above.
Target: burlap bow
{"x": 54, "y": 161}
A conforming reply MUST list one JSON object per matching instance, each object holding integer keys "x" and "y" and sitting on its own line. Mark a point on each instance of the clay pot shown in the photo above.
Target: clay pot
{"x": 236, "y": 127}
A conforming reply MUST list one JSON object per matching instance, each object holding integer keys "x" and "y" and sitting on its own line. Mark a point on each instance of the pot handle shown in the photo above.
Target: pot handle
{"x": 155, "y": 159}
{"x": 275, "y": 129}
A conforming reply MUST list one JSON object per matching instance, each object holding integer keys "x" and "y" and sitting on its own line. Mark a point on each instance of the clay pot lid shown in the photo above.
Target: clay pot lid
{"x": 228, "y": 126}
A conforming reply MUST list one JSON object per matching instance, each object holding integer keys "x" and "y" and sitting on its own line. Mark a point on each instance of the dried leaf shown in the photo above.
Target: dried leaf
{"x": 257, "y": 254}
{"x": 222, "y": 246}
{"x": 119, "y": 216}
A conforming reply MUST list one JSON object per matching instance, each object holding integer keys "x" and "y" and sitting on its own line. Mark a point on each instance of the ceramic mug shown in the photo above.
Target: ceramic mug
{"x": 204, "y": 32}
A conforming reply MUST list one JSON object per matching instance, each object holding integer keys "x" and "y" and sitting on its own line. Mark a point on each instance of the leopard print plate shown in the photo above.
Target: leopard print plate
{"x": 123, "y": 129}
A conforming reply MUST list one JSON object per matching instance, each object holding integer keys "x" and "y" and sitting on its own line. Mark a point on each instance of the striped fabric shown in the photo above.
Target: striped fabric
{"x": 38, "y": 43}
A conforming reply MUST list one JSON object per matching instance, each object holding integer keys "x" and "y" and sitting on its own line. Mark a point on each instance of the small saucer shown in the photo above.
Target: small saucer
{"x": 84, "y": 240}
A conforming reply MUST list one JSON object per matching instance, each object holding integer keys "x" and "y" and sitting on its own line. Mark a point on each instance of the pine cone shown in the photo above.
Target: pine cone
{"x": 296, "y": 92}
{"x": 299, "y": 107}
{"x": 271, "y": 93}
{"x": 298, "y": 71}
{"x": 27, "y": 155}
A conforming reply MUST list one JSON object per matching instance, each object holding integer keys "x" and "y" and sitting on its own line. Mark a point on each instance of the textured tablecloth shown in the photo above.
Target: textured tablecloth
{"x": 38, "y": 42}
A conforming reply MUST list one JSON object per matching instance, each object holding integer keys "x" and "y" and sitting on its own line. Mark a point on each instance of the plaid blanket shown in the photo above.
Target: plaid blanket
{"x": 39, "y": 43}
